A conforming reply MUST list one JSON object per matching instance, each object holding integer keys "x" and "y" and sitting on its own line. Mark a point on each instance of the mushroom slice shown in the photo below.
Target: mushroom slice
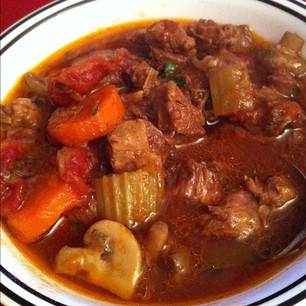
{"x": 111, "y": 258}
{"x": 156, "y": 239}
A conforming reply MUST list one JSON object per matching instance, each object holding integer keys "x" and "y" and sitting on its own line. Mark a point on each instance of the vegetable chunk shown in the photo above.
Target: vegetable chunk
{"x": 97, "y": 116}
{"x": 71, "y": 83}
{"x": 43, "y": 207}
{"x": 135, "y": 144}
{"x": 230, "y": 89}
{"x": 130, "y": 197}
{"x": 111, "y": 258}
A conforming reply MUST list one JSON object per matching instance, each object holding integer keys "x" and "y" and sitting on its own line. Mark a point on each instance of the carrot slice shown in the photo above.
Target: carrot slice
{"x": 43, "y": 208}
{"x": 79, "y": 79}
{"x": 96, "y": 116}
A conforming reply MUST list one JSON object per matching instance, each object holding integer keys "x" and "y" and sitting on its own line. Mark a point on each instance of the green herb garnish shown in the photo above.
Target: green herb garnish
{"x": 169, "y": 69}
{"x": 170, "y": 73}
{"x": 180, "y": 81}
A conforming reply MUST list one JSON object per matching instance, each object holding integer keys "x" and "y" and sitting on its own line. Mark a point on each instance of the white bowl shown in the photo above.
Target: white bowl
{"x": 38, "y": 35}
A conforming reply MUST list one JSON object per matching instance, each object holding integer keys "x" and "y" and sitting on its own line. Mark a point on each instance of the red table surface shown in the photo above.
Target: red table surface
{"x": 13, "y": 10}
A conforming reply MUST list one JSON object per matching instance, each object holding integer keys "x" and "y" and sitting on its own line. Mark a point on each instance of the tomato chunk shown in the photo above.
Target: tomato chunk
{"x": 71, "y": 83}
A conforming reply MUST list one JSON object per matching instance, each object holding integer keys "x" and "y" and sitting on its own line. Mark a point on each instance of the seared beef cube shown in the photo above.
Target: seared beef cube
{"x": 236, "y": 38}
{"x": 175, "y": 114}
{"x": 272, "y": 118}
{"x": 136, "y": 144}
{"x": 138, "y": 106}
{"x": 265, "y": 94}
{"x": 284, "y": 82}
{"x": 206, "y": 33}
{"x": 238, "y": 218}
{"x": 275, "y": 192}
{"x": 197, "y": 182}
{"x": 284, "y": 114}
{"x": 138, "y": 40}
{"x": 211, "y": 37}
{"x": 168, "y": 41}
{"x": 196, "y": 87}
{"x": 21, "y": 112}
{"x": 142, "y": 75}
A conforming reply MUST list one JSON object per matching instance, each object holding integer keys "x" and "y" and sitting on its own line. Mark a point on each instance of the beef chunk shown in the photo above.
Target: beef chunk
{"x": 265, "y": 94}
{"x": 238, "y": 218}
{"x": 138, "y": 42}
{"x": 22, "y": 112}
{"x": 283, "y": 82}
{"x": 276, "y": 191}
{"x": 168, "y": 41}
{"x": 196, "y": 87}
{"x": 210, "y": 36}
{"x": 236, "y": 38}
{"x": 141, "y": 74}
{"x": 136, "y": 144}
{"x": 206, "y": 33}
{"x": 138, "y": 106}
{"x": 197, "y": 182}
{"x": 175, "y": 114}
{"x": 272, "y": 118}
{"x": 283, "y": 114}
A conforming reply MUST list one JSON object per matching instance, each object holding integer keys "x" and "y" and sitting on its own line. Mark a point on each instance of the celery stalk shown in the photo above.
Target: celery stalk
{"x": 291, "y": 42}
{"x": 130, "y": 197}
{"x": 230, "y": 88}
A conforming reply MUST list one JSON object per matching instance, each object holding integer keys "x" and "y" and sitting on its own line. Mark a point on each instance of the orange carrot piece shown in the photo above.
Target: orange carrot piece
{"x": 43, "y": 208}
{"x": 96, "y": 116}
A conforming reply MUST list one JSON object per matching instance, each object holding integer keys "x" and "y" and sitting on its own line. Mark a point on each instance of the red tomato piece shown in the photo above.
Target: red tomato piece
{"x": 71, "y": 83}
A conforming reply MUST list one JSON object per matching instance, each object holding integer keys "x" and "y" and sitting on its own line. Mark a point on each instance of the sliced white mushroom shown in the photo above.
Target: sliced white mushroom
{"x": 156, "y": 239}
{"x": 111, "y": 258}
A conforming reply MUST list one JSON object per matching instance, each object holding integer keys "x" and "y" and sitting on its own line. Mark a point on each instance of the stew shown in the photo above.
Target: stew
{"x": 159, "y": 161}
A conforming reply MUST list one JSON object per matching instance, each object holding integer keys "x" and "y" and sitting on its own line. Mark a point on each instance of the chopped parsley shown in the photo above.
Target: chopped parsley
{"x": 170, "y": 69}
{"x": 180, "y": 81}
{"x": 170, "y": 73}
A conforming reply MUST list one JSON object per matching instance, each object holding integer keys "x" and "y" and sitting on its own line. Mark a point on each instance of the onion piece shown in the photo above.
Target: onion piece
{"x": 291, "y": 42}
{"x": 150, "y": 80}
{"x": 230, "y": 88}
